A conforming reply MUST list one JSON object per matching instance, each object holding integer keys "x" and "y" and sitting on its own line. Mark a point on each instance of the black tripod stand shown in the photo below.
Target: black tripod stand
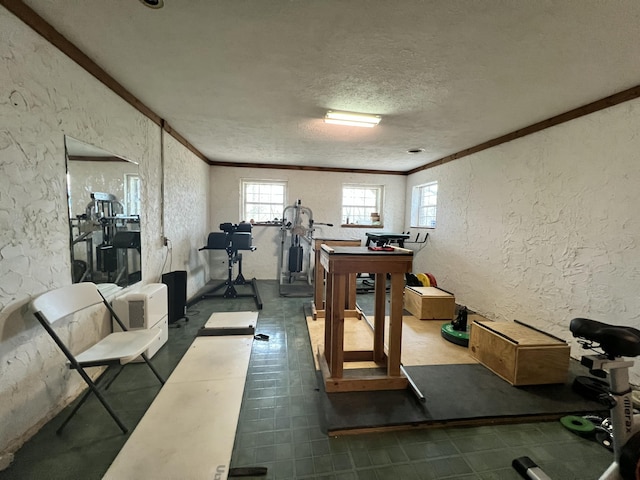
{"x": 232, "y": 239}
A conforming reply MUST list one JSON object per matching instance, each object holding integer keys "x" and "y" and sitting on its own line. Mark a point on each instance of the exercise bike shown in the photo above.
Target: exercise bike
{"x": 615, "y": 342}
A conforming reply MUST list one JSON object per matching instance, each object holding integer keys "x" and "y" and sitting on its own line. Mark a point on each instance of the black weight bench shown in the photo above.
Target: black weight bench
{"x": 231, "y": 239}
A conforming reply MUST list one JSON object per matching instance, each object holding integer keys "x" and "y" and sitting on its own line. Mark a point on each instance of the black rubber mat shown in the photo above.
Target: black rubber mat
{"x": 463, "y": 394}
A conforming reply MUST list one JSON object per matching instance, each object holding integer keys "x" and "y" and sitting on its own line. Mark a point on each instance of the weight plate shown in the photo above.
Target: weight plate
{"x": 423, "y": 279}
{"x": 432, "y": 280}
{"x": 589, "y": 387}
{"x": 454, "y": 336}
{"x": 604, "y": 439}
{"x": 577, "y": 424}
{"x": 597, "y": 420}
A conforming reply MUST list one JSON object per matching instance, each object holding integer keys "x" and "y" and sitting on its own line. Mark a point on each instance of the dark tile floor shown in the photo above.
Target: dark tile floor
{"x": 279, "y": 425}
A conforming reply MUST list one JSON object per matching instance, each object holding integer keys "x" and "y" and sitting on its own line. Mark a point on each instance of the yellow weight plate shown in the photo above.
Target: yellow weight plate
{"x": 424, "y": 280}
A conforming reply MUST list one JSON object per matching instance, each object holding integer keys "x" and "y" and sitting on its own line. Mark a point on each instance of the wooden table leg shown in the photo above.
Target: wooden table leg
{"x": 351, "y": 292}
{"x": 328, "y": 332}
{"x": 318, "y": 286}
{"x": 395, "y": 325}
{"x": 337, "y": 325}
{"x": 378, "y": 317}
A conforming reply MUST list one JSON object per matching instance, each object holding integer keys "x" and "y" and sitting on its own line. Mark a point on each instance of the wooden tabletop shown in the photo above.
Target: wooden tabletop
{"x": 365, "y": 251}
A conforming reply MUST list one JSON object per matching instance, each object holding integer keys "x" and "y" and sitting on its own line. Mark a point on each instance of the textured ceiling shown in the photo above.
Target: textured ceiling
{"x": 249, "y": 80}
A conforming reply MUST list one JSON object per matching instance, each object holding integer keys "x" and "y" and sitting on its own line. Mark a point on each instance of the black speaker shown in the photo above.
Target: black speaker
{"x": 176, "y": 283}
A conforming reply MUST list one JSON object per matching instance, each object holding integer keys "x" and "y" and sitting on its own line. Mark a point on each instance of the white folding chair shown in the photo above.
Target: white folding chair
{"x": 116, "y": 349}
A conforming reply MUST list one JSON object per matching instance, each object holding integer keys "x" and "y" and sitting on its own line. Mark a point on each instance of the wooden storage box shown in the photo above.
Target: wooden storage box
{"x": 518, "y": 353}
{"x": 429, "y": 303}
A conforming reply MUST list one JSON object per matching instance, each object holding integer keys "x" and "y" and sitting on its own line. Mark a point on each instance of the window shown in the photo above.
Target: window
{"x": 131, "y": 194}
{"x": 362, "y": 204}
{"x": 262, "y": 200}
{"x": 424, "y": 199}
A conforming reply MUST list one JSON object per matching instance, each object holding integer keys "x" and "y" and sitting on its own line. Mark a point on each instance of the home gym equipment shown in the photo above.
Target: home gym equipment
{"x": 232, "y": 238}
{"x": 603, "y": 430}
{"x": 591, "y": 427}
{"x": 116, "y": 255}
{"x": 590, "y": 387}
{"x": 210, "y": 377}
{"x": 457, "y": 331}
{"x": 229, "y": 323}
{"x": 296, "y": 242}
{"x": 579, "y": 425}
{"x": 424, "y": 280}
{"x": 296, "y": 233}
{"x": 386, "y": 238}
{"x": 417, "y": 280}
{"x": 615, "y": 342}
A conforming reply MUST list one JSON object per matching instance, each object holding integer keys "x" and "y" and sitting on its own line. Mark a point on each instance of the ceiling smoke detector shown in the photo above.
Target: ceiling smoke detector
{"x": 153, "y": 3}
{"x": 413, "y": 151}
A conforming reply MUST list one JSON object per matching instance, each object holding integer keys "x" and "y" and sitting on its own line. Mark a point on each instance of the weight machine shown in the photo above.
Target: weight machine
{"x": 296, "y": 239}
{"x": 231, "y": 239}
{"x": 104, "y": 225}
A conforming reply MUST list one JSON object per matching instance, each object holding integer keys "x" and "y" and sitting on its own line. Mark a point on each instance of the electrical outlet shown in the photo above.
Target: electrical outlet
{"x": 165, "y": 241}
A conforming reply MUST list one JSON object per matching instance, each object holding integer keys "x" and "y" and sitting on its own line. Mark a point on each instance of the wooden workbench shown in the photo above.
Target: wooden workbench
{"x": 340, "y": 263}
{"x": 318, "y": 306}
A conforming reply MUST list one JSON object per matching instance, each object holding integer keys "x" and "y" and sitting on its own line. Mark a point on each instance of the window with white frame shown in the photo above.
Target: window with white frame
{"x": 362, "y": 204}
{"x": 131, "y": 194}
{"x": 263, "y": 200}
{"x": 424, "y": 201}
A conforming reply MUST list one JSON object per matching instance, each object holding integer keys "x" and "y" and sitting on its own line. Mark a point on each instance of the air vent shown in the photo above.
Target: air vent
{"x": 153, "y": 3}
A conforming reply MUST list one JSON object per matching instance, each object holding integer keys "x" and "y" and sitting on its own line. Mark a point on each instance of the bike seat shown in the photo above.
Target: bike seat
{"x": 613, "y": 339}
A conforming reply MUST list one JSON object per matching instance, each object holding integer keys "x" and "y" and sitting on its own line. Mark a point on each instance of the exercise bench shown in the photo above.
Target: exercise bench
{"x": 231, "y": 239}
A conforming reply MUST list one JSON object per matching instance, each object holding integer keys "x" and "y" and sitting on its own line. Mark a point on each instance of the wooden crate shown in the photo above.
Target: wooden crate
{"x": 519, "y": 354}
{"x": 429, "y": 303}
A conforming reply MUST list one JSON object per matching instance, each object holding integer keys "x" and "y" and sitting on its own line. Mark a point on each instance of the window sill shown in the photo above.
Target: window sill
{"x": 359, "y": 225}
{"x": 267, "y": 224}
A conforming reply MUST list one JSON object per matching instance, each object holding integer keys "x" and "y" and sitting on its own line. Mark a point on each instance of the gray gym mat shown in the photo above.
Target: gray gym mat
{"x": 455, "y": 394}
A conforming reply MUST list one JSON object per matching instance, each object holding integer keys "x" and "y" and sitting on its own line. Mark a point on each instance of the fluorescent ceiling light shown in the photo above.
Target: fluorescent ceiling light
{"x": 352, "y": 119}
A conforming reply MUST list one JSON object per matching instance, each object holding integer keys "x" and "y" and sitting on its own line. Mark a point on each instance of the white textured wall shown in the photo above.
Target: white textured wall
{"x": 544, "y": 228}
{"x": 44, "y": 96}
{"x": 98, "y": 176}
{"x": 541, "y": 229}
{"x": 186, "y": 208}
{"x": 319, "y": 191}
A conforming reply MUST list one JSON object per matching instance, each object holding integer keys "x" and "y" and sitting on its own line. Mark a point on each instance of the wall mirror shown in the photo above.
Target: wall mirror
{"x": 104, "y": 215}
